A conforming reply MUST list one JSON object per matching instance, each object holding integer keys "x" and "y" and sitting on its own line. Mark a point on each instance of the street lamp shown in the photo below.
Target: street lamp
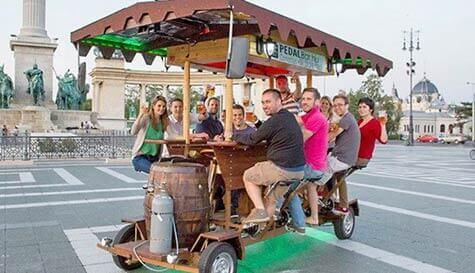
{"x": 473, "y": 110}
{"x": 411, "y": 64}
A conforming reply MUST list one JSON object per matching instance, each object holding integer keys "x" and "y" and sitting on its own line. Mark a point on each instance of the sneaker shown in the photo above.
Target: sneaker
{"x": 340, "y": 211}
{"x": 256, "y": 216}
{"x": 297, "y": 230}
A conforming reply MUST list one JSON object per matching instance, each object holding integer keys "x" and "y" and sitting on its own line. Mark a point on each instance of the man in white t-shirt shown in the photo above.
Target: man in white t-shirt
{"x": 175, "y": 125}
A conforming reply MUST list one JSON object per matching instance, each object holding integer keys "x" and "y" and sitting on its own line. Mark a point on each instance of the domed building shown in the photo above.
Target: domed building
{"x": 431, "y": 115}
{"x": 425, "y": 97}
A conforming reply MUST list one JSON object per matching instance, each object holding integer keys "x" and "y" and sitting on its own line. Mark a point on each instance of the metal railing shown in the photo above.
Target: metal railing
{"x": 29, "y": 147}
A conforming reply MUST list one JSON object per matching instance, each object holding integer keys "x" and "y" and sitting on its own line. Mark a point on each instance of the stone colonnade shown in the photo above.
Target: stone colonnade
{"x": 110, "y": 77}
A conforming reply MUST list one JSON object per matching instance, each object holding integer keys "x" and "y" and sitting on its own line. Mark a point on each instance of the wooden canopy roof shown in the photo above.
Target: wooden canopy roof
{"x": 150, "y": 27}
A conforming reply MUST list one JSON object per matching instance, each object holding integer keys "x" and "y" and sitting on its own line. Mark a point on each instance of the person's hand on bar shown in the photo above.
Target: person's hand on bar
{"x": 219, "y": 138}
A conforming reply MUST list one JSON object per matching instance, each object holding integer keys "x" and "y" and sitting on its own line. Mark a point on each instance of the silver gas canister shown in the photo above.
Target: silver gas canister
{"x": 161, "y": 227}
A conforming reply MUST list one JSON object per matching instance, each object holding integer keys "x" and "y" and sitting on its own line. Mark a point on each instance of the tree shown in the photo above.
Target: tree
{"x": 463, "y": 111}
{"x": 372, "y": 87}
{"x": 86, "y": 106}
{"x": 152, "y": 91}
{"x": 195, "y": 95}
{"x": 132, "y": 93}
{"x": 463, "y": 114}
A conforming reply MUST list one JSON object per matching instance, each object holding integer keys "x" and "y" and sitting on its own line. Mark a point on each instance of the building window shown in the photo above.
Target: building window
{"x": 442, "y": 128}
{"x": 424, "y": 128}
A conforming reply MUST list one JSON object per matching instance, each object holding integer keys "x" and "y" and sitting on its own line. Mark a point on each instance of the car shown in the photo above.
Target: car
{"x": 427, "y": 138}
{"x": 455, "y": 138}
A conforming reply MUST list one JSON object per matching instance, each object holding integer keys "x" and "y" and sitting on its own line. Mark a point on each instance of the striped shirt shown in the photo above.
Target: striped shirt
{"x": 289, "y": 103}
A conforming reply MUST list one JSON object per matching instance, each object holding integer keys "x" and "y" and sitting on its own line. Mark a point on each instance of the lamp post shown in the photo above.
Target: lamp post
{"x": 411, "y": 64}
{"x": 473, "y": 110}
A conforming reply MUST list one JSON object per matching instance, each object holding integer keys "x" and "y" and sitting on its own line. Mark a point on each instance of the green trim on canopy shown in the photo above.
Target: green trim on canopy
{"x": 117, "y": 41}
{"x": 349, "y": 61}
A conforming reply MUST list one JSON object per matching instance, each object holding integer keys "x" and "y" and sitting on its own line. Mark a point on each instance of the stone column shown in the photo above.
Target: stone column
{"x": 33, "y": 46}
{"x": 143, "y": 97}
{"x": 34, "y": 18}
{"x": 166, "y": 91}
{"x": 96, "y": 96}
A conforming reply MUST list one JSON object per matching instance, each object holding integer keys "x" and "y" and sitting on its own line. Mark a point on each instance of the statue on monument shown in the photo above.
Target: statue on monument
{"x": 132, "y": 112}
{"x": 82, "y": 86}
{"x": 6, "y": 89}
{"x": 35, "y": 84}
{"x": 68, "y": 97}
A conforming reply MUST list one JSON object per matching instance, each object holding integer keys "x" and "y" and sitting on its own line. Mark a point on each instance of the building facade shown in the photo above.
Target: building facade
{"x": 431, "y": 114}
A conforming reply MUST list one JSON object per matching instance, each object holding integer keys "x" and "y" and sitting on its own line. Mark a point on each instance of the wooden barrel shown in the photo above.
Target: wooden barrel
{"x": 187, "y": 184}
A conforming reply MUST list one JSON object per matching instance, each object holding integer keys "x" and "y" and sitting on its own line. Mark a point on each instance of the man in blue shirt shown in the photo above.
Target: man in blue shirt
{"x": 211, "y": 125}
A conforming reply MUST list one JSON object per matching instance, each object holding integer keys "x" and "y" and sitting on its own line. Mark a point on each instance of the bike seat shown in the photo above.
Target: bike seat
{"x": 282, "y": 183}
{"x": 287, "y": 183}
{"x": 358, "y": 167}
{"x": 316, "y": 180}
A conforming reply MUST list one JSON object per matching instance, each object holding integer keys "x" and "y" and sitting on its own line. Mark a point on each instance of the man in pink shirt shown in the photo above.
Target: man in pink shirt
{"x": 315, "y": 134}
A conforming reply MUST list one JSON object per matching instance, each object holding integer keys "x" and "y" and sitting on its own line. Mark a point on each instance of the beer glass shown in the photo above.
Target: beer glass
{"x": 200, "y": 107}
{"x": 245, "y": 101}
{"x": 382, "y": 116}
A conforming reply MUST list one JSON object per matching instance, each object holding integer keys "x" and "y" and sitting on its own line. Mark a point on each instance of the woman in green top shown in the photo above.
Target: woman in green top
{"x": 150, "y": 124}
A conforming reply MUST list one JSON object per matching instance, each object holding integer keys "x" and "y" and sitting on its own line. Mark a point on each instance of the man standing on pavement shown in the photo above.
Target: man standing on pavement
{"x": 289, "y": 100}
{"x": 347, "y": 143}
{"x": 285, "y": 158}
{"x": 315, "y": 134}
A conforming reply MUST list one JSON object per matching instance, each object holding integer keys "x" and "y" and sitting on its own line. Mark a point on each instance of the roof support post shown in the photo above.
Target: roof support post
{"x": 309, "y": 79}
{"x": 271, "y": 82}
{"x": 228, "y": 99}
{"x": 186, "y": 105}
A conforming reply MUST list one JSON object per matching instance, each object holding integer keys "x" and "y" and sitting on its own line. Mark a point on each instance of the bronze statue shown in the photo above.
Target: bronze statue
{"x": 35, "y": 84}
{"x": 68, "y": 97}
{"x": 82, "y": 86}
{"x": 6, "y": 89}
{"x": 132, "y": 112}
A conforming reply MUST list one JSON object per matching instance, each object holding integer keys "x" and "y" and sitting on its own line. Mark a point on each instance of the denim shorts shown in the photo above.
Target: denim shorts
{"x": 309, "y": 172}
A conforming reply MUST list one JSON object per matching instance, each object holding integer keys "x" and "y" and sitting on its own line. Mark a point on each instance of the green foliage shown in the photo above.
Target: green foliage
{"x": 46, "y": 145}
{"x": 132, "y": 93}
{"x": 87, "y": 106}
{"x": 463, "y": 111}
{"x": 195, "y": 96}
{"x": 67, "y": 145}
{"x": 152, "y": 91}
{"x": 132, "y": 96}
{"x": 372, "y": 87}
{"x": 49, "y": 145}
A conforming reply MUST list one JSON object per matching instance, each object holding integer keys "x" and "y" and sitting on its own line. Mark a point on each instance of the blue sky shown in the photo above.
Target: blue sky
{"x": 447, "y": 36}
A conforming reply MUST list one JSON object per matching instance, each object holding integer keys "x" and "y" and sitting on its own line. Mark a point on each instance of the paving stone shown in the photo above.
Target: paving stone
{"x": 63, "y": 261}
{"x": 68, "y": 269}
{"x": 36, "y": 267}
